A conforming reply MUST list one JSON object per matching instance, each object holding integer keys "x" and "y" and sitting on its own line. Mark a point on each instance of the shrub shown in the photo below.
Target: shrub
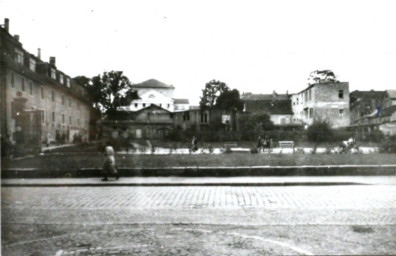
{"x": 320, "y": 131}
{"x": 389, "y": 145}
{"x": 253, "y": 151}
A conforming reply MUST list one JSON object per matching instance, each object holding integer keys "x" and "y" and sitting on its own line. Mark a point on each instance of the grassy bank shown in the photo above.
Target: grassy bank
{"x": 87, "y": 160}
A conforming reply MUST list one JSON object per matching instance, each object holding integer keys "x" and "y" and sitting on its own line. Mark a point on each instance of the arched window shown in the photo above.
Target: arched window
{"x": 151, "y": 96}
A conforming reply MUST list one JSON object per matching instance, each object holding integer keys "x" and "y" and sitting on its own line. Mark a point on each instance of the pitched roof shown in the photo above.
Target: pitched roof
{"x": 152, "y": 106}
{"x": 367, "y": 94}
{"x": 152, "y": 83}
{"x": 391, "y": 93}
{"x": 181, "y": 101}
{"x": 265, "y": 97}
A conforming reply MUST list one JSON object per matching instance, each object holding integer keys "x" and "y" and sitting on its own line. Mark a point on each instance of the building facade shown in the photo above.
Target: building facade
{"x": 373, "y": 111}
{"x": 277, "y": 106}
{"x": 39, "y": 102}
{"x": 322, "y": 101}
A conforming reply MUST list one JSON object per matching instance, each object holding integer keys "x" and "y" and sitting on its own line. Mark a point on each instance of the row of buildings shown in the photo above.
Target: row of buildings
{"x": 157, "y": 112}
{"x": 40, "y": 104}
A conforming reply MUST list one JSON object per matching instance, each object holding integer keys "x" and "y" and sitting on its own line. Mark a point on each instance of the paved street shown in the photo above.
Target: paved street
{"x": 199, "y": 220}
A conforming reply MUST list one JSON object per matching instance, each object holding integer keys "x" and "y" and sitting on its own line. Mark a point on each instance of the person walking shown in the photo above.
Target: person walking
{"x": 194, "y": 144}
{"x": 109, "y": 165}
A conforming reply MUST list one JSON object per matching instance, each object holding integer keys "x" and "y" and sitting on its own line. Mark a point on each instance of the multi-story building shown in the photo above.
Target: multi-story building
{"x": 373, "y": 111}
{"x": 322, "y": 101}
{"x": 363, "y": 103}
{"x": 153, "y": 114}
{"x": 39, "y": 102}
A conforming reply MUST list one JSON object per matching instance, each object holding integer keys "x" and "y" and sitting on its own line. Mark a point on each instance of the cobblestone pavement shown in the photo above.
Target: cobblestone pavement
{"x": 222, "y": 220}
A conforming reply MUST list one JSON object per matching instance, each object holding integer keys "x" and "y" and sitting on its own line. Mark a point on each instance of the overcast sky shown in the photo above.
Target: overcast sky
{"x": 254, "y": 46}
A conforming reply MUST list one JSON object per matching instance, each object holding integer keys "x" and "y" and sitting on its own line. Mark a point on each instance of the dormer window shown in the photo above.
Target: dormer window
{"x": 32, "y": 65}
{"x": 61, "y": 78}
{"x": 53, "y": 73}
{"x": 151, "y": 96}
{"x": 18, "y": 56}
{"x": 68, "y": 82}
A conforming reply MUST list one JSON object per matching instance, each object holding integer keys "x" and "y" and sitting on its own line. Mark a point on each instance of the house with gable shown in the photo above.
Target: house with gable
{"x": 277, "y": 106}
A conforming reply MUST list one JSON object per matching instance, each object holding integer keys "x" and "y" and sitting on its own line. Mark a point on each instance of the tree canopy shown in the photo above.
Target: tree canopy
{"x": 256, "y": 123}
{"x": 109, "y": 91}
{"x": 217, "y": 95}
{"x": 318, "y": 75}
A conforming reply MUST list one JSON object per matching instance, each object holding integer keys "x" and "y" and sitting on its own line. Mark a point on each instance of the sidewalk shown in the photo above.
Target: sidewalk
{"x": 206, "y": 181}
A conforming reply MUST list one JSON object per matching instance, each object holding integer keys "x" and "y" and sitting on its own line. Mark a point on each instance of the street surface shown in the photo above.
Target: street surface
{"x": 199, "y": 220}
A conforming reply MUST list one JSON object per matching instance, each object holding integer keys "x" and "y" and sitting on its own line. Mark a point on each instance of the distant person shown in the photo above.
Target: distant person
{"x": 48, "y": 139}
{"x": 109, "y": 164}
{"x": 194, "y": 144}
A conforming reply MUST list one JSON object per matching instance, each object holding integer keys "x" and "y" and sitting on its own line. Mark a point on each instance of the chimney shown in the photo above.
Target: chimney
{"x": 39, "y": 53}
{"x": 52, "y": 61}
{"x": 287, "y": 92}
{"x": 7, "y": 24}
{"x": 16, "y": 37}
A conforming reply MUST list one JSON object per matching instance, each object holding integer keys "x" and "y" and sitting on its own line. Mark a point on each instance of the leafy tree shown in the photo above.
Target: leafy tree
{"x": 217, "y": 95}
{"x": 109, "y": 91}
{"x": 256, "y": 124}
{"x": 326, "y": 75}
{"x": 210, "y": 94}
{"x": 229, "y": 100}
{"x": 320, "y": 131}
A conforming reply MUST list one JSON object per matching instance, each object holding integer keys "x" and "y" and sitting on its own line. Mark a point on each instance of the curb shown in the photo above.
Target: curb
{"x": 196, "y": 171}
{"x": 170, "y": 184}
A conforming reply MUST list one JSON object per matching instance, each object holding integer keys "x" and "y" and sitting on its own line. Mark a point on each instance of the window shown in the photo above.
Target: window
{"x": 68, "y": 82}
{"x": 53, "y": 116}
{"x": 31, "y": 88}
{"x": 144, "y": 104}
{"x": 310, "y": 95}
{"x": 78, "y": 121}
{"x": 52, "y": 95}
{"x": 61, "y": 78}
{"x": 12, "y": 80}
{"x": 186, "y": 116}
{"x": 70, "y": 103}
{"x": 23, "y": 84}
{"x": 168, "y": 106}
{"x": 341, "y": 94}
{"x": 63, "y": 99}
{"x": 63, "y": 118}
{"x": 310, "y": 112}
{"x": 204, "y": 117}
{"x": 42, "y": 116}
{"x": 53, "y": 73}
{"x": 341, "y": 112}
{"x": 70, "y": 120}
{"x": 42, "y": 92}
{"x": 32, "y": 64}
{"x": 136, "y": 105}
{"x": 18, "y": 56}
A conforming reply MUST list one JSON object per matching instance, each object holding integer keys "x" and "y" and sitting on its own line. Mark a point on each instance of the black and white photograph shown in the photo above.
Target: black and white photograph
{"x": 178, "y": 127}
